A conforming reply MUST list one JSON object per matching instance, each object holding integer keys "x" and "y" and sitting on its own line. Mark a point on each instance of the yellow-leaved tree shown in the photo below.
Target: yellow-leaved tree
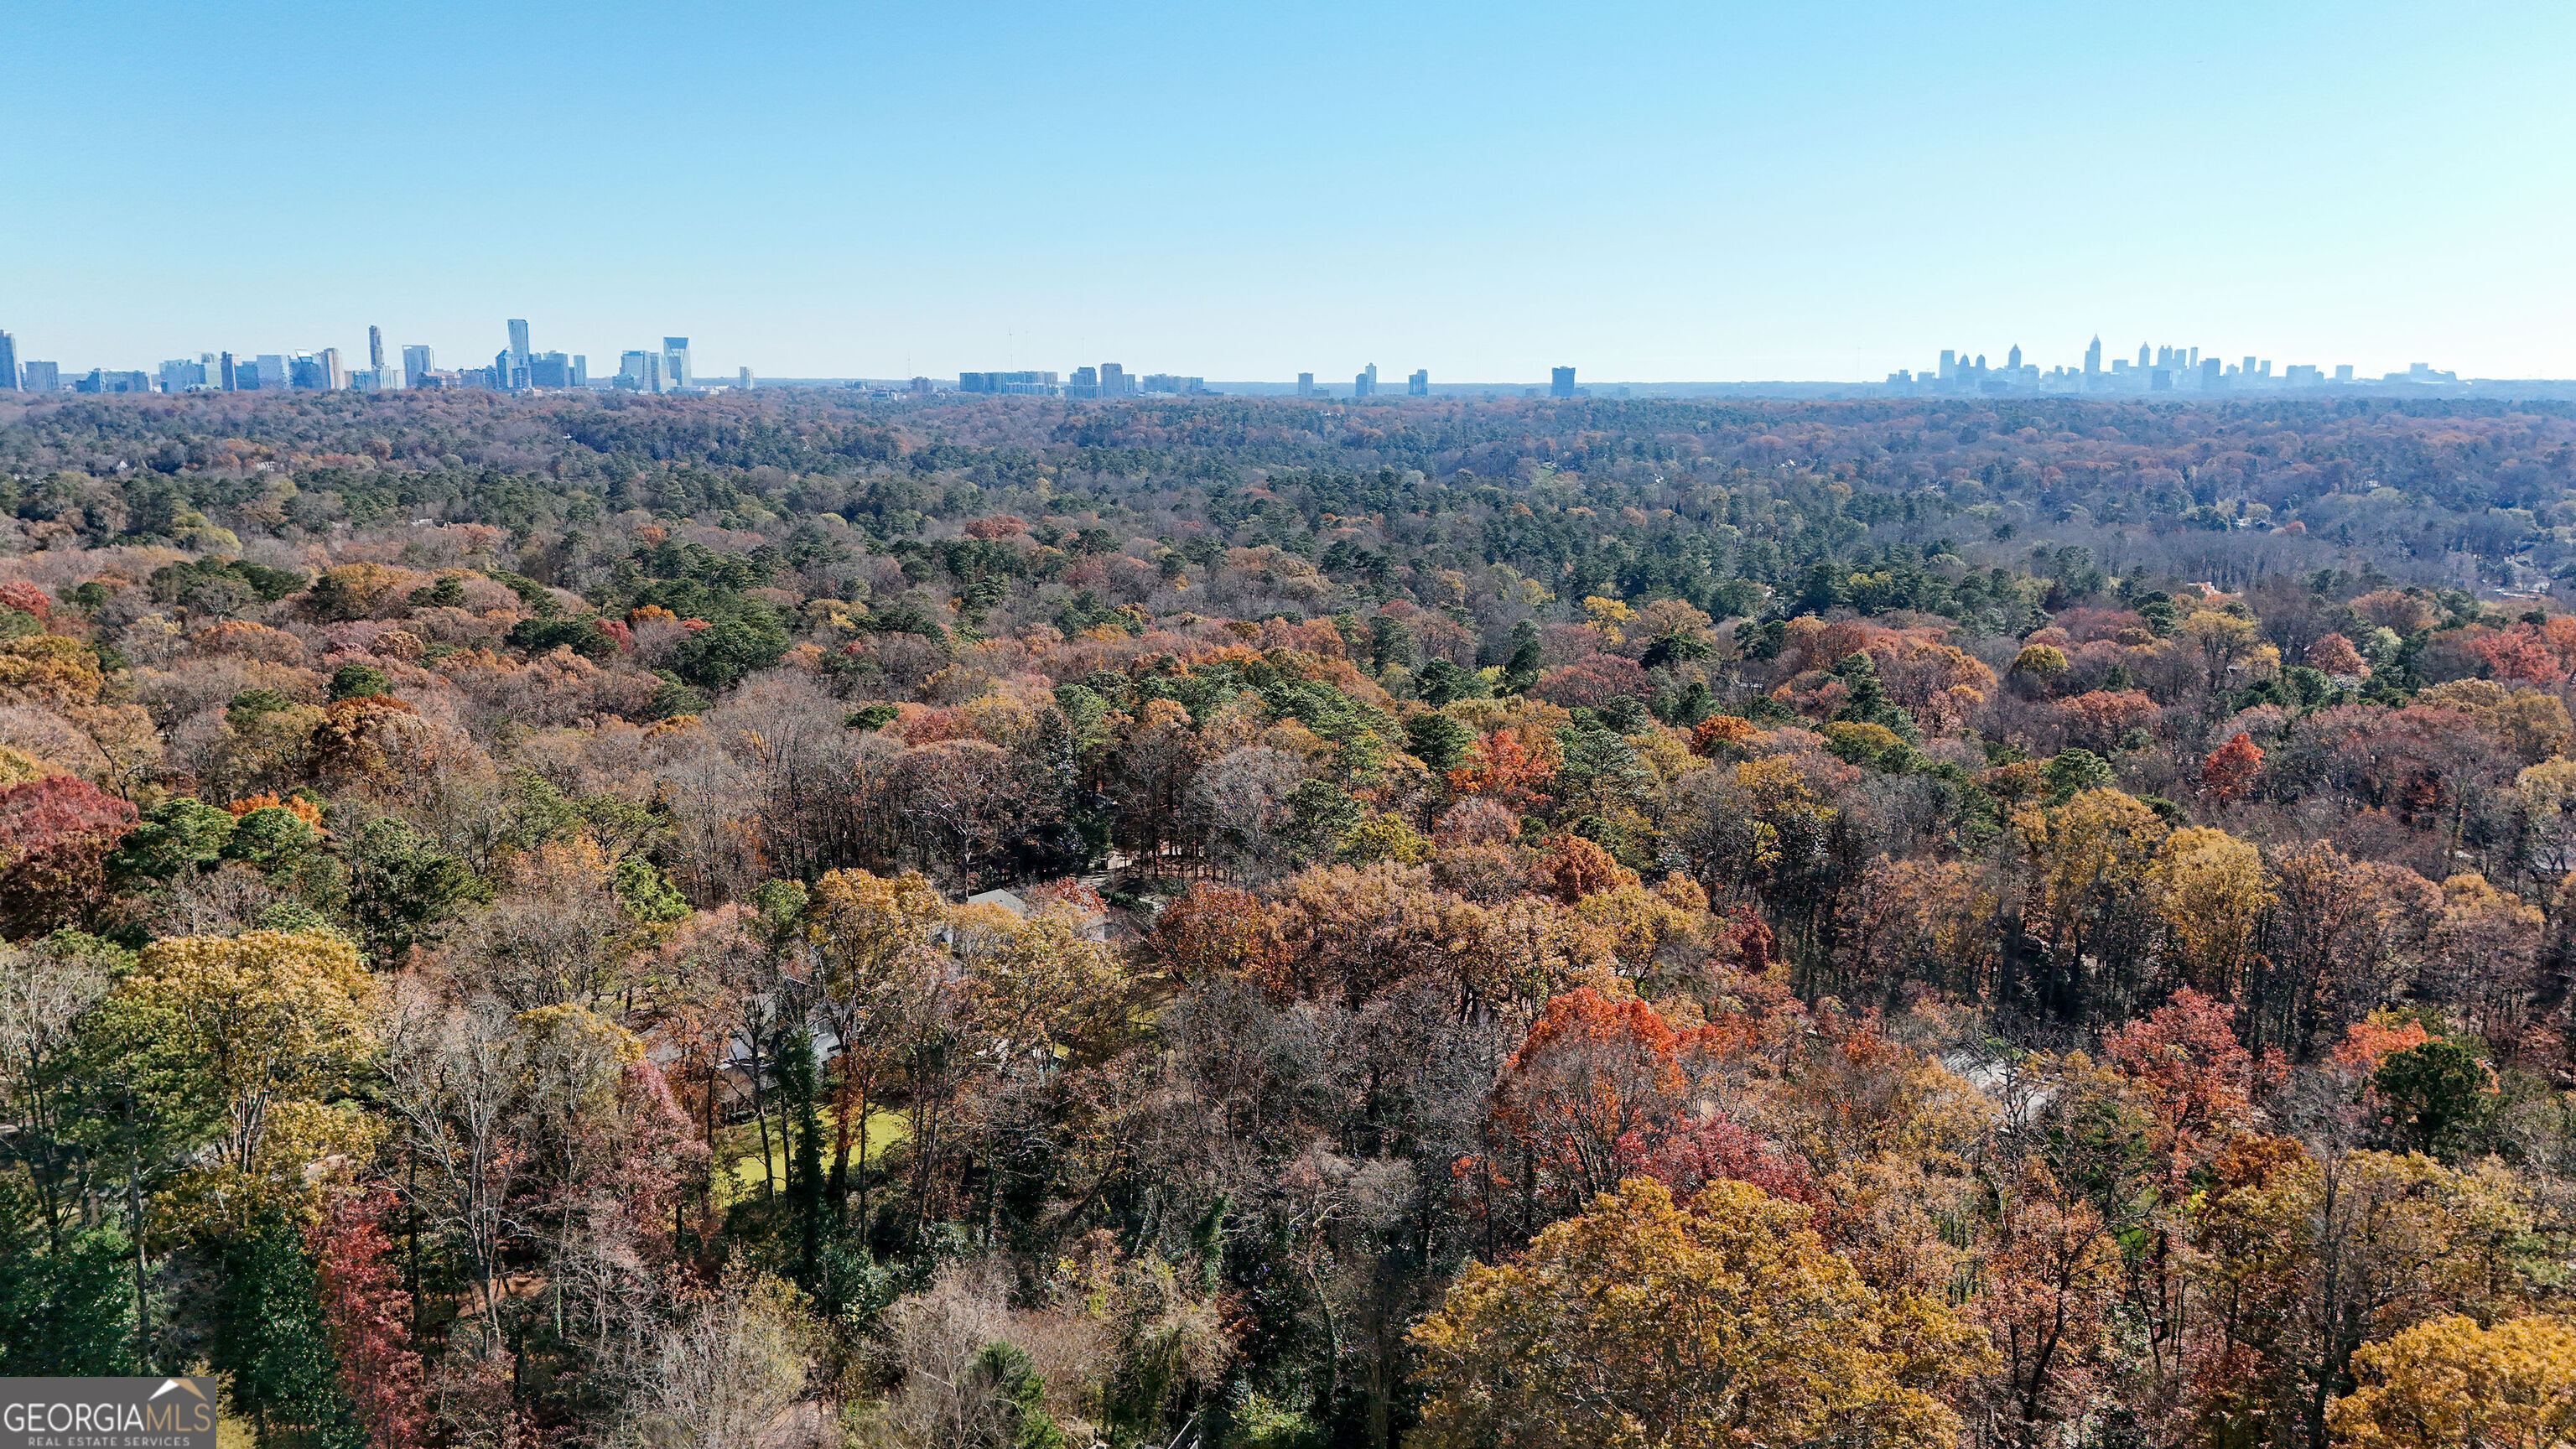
{"x": 1726, "y": 1321}
{"x": 2448, "y": 1382}
{"x": 268, "y": 1017}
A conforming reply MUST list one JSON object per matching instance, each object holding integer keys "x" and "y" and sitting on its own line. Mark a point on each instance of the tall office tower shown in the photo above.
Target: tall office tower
{"x": 2012, "y": 359}
{"x": 42, "y": 376}
{"x": 273, "y": 372}
{"x": 2093, "y": 356}
{"x": 1418, "y": 385}
{"x": 2142, "y": 355}
{"x": 1114, "y": 381}
{"x": 1086, "y": 383}
{"x": 1949, "y": 363}
{"x": 418, "y": 363}
{"x": 676, "y": 368}
{"x": 334, "y": 376}
{"x": 232, "y": 378}
{"x": 8, "y": 363}
{"x": 581, "y": 369}
{"x": 2249, "y": 368}
{"x": 1560, "y": 382}
{"x": 518, "y": 345}
{"x": 743, "y": 379}
{"x": 2343, "y": 371}
{"x": 1305, "y": 384}
{"x": 2195, "y": 357}
{"x": 375, "y": 348}
{"x": 1364, "y": 383}
{"x": 2210, "y": 381}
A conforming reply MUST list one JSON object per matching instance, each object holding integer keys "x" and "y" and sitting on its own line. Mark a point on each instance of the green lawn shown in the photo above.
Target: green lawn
{"x": 738, "y": 1150}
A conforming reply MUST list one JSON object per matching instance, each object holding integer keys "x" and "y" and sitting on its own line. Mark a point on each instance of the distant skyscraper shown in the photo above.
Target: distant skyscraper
{"x": 581, "y": 369}
{"x": 41, "y": 376}
{"x": 334, "y": 376}
{"x": 1305, "y": 384}
{"x": 2093, "y": 357}
{"x": 273, "y": 372}
{"x": 8, "y": 363}
{"x": 1560, "y": 381}
{"x": 676, "y": 367}
{"x": 375, "y": 348}
{"x": 232, "y": 379}
{"x": 518, "y": 344}
{"x": 418, "y": 363}
{"x": 2210, "y": 381}
{"x": 2012, "y": 359}
{"x": 1418, "y": 385}
{"x": 1114, "y": 381}
{"x": 1949, "y": 363}
{"x": 743, "y": 379}
{"x": 2142, "y": 356}
{"x": 642, "y": 372}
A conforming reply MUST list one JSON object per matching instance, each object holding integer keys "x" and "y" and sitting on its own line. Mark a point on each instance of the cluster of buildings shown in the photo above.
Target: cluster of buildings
{"x": 1560, "y": 384}
{"x": 1109, "y": 379}
{"x": 2157, "y": 369}
{"x": 516, "y": 368}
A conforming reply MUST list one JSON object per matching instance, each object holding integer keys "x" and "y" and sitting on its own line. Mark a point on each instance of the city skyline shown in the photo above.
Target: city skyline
{"x": 2178, "y": 369}
{"x": 1706, "y": 192}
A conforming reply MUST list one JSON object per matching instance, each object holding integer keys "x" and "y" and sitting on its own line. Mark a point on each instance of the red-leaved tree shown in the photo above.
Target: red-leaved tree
{"x": 2229, "y": 771}
{"x": 55, "y": 835}
{"x": 370, "y": 1319}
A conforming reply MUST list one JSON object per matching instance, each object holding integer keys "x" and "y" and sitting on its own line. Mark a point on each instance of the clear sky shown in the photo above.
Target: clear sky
{"x": 1692, "y": 191}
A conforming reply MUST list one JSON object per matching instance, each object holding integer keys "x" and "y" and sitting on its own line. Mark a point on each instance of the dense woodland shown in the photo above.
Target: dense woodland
{"x": 1916, "y": 922}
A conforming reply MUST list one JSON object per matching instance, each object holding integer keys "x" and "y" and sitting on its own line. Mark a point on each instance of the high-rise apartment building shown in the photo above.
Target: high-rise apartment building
{"x": 743, "y": 379}
{"x": 418, "y": 363}
{"x": 1418, "y": 385}
{"x": 1114, "y": 381}
{"x": 1560, "y": 381}
{"x": 1365, "y": 385}
{"x": 1086, "y": 383}
{"x": 518, "y": 345}
{"x": 8, "y": 363}
{"x": 375, "y": 348}
{"x": 334, "y": 376}
{"x": 676, "y": 367}
{"x": 1305, "y": 384}
{"x": 41, "y": 376}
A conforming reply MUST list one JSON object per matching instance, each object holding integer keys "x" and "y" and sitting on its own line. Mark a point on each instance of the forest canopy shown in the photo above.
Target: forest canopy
{"x": 791, "y": 918}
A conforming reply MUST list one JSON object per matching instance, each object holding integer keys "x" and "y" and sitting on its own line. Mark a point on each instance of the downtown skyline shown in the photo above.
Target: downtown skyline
{"x": 382, "y": 363}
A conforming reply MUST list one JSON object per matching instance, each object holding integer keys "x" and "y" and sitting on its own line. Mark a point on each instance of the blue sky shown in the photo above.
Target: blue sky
{"x": 1646, "y": 192}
